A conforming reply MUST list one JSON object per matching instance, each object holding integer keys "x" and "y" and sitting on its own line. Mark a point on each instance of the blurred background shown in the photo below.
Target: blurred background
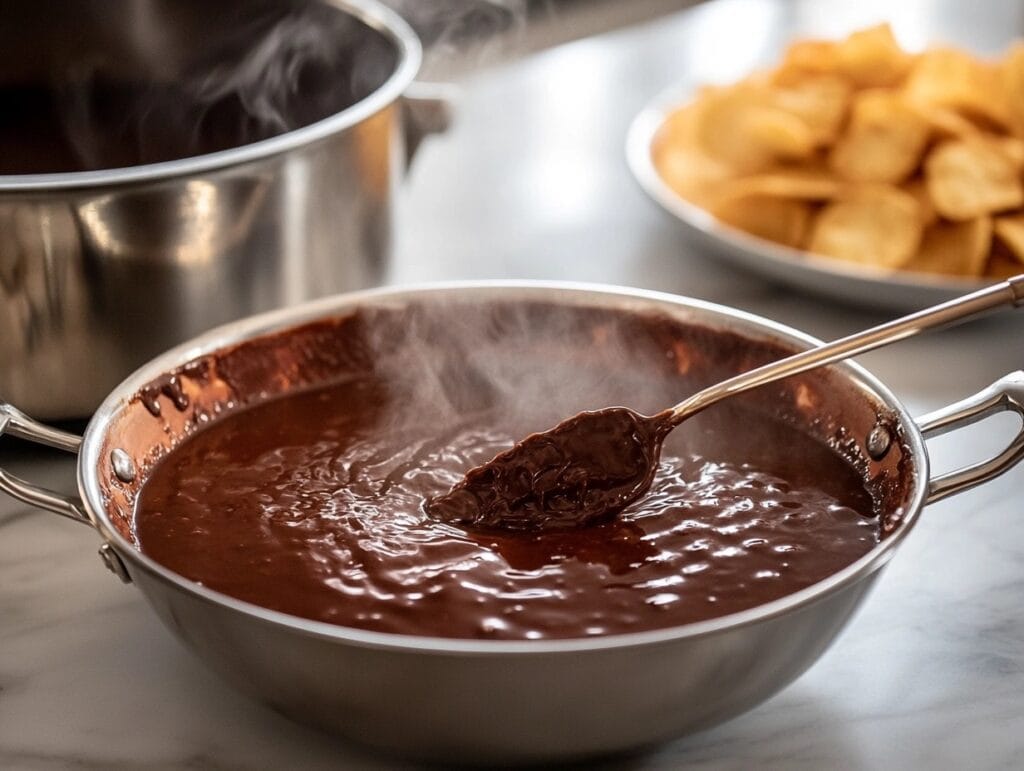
{"x": 462, "y": 35}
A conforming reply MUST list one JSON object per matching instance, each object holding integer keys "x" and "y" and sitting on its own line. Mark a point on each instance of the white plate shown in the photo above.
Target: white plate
{"x": 852, "y": 283}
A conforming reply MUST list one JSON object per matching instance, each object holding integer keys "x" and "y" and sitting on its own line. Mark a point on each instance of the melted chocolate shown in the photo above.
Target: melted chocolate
{"x": 587, "y": 468}
{"x": 170, "y": 385}
{"x": 312, "y": 502}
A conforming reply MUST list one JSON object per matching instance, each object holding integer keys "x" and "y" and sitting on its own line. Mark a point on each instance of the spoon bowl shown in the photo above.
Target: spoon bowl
{"x": 585, "y": 469}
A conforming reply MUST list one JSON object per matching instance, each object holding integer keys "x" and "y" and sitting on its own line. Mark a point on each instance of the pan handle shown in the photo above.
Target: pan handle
{"x": 1005, "y": 395}
{"x": 17, "y": 423}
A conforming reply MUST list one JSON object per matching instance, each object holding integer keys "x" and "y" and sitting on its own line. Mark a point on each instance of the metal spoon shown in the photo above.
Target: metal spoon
{"x": 592, "y": 465}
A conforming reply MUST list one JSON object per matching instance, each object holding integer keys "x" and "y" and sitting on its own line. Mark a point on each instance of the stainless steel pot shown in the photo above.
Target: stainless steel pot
{"x": 447, "y": 699}
{"x": 218, "y": 215}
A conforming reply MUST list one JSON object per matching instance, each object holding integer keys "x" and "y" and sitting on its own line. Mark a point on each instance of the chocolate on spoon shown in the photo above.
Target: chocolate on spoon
{"x": 586, "y": 468}
{"x": 591, "y": 466}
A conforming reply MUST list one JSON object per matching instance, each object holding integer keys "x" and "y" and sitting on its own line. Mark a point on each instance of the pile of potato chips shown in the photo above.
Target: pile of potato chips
{"x": 861, "y": 151}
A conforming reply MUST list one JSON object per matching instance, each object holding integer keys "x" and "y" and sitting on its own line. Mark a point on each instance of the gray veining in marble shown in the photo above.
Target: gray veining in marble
{"x": 530, "y": 182}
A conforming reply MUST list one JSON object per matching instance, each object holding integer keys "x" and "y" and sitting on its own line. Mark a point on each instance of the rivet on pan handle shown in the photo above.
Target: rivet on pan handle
{"x": 16, "y": 423}
{"x": 1004, "y": 395}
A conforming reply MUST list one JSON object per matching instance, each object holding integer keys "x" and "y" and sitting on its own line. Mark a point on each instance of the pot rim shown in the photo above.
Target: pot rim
{"x": 273, "y": 321}
{"x": 371, "y": 12}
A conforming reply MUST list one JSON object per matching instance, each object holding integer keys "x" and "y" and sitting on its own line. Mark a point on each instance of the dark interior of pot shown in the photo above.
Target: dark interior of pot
{"x": 291, "y": 471}
{"x": 99, "y": 84}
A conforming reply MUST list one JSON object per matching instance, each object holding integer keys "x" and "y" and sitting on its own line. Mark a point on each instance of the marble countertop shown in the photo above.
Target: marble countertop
{"x": 531, "y": 182}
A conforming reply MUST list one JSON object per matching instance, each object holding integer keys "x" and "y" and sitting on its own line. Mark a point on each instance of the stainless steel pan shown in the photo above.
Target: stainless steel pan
{"x": 494, "y": 701}
{"x": 216, "y": 217}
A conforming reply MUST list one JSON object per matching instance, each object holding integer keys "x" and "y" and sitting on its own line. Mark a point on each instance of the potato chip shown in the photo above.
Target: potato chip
{"x": 969, "y": 178}
{"x": 775, "y": 219}
{"x": 820, "y": 101}
{"x": 946, "y": 77}
{"x": 954, "y": 248}
{"x": 947, "y": 123}
{"x": 781, "y": 133}
{"x": 917, "y": 188}
{"x": 1011, "y": 76}
{"x": 1010, "y": 232}
{"x": 742, "y": 128}
{"x": 884, "y": 142}
{"x": 871, "y": 225}
{"x": 808, "y": 57}
{"x": 680, "y": 126}
{"x": 692, "y": 174}
{"x": 1011, "y": 147}
{"x": 807, "y": 184}
{"x": 872, "y": 57}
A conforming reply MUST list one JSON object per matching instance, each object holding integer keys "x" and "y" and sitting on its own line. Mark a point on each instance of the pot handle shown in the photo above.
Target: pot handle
{"x": 426, "y": 108}
{"x": 1005, "y": 395}
{"x": 16, "y": 423}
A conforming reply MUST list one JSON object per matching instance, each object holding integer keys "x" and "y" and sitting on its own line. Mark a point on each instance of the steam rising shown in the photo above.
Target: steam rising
{"x": 158, "y": 81}
{"x": 525, "y": 367}
{"x": 168, "y": 97}
{"x": 266, "y": 79}
{"x": 470, "y": 32}
{"x": 531, "y": 364}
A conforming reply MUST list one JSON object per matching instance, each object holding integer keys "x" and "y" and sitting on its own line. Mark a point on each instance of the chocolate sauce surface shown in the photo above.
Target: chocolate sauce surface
{"x": 314, "y": 503}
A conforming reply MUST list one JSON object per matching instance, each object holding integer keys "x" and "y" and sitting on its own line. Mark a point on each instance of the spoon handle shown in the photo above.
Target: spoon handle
{"x": 1009, "y": 292}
